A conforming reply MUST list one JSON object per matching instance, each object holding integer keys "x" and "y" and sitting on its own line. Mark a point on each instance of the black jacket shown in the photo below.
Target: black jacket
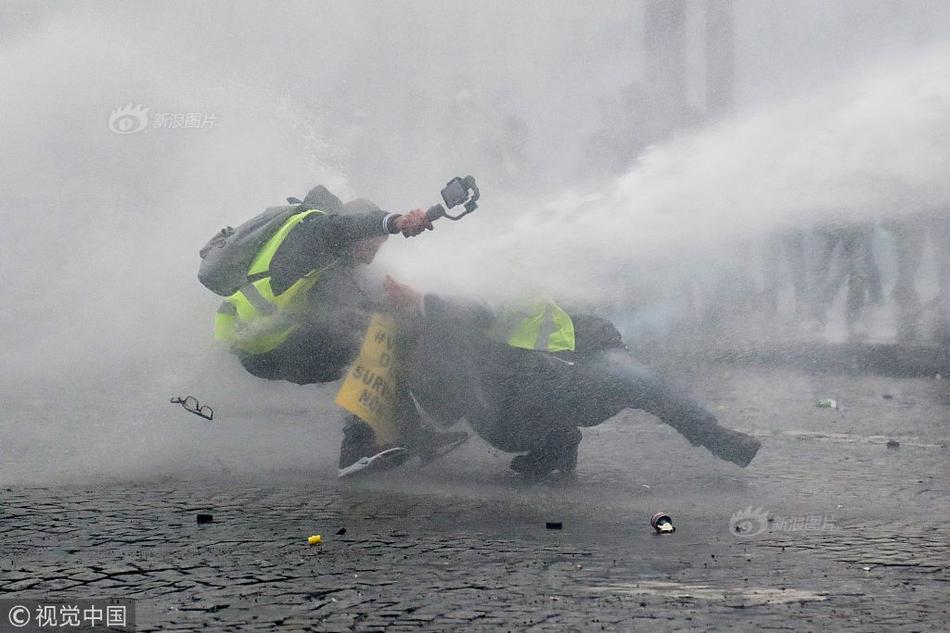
{"x": 332, "y": 329}
{"x": 456, "y": 371}
{"x": 321, "y": 239}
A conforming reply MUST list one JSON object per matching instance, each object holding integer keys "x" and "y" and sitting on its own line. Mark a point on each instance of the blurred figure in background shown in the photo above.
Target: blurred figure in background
{"x": 911, "y": 235}
{"x": 785, "y": 254}
{"x": 631, "y": 120}
{"x": 854, "y": 266}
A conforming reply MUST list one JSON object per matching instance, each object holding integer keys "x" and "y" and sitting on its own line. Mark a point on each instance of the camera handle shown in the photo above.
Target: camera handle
{"x": 435, "y": 212}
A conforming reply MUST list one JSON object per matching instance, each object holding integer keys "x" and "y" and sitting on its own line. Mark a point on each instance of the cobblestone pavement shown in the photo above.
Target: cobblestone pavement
{"x": 854, "y": 535}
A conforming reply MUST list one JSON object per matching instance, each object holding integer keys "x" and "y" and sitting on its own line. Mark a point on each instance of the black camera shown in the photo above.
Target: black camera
{"x": 457, "y": 191}
{"x": 454, "y": 193}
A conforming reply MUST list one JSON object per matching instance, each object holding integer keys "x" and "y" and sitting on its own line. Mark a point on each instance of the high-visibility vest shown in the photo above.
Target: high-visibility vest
{"x": 541, "y": 325}
{"x": 254, "y": 319}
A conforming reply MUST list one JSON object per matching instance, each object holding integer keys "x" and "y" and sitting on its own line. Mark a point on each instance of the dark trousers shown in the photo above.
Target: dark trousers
{"x": 312, "y": 356}
{"x": 308, "y": 356}
{"x": 546, "y": 399}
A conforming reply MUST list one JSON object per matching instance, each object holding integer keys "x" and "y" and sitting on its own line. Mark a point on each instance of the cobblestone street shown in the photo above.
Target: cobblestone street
{"x": 854, "y": 535}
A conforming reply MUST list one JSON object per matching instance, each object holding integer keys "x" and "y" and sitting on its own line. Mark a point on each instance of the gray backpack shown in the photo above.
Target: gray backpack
{"x": 227, "y": 257}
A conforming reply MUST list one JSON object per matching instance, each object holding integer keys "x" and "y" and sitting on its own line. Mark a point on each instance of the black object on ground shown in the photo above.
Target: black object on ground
{"x": 554, "y": 525}
{"x": 205, "y": 518}
{"x": 341, "y": 532}
{"x": 887, "y": 396}
{"x": 893, "y": 444}
{"x": 191, "y": 405}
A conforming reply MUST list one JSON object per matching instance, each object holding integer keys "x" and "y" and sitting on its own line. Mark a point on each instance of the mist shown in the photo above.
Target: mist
{"x": 842, "y": 113}
{"x": 872, "y": 150}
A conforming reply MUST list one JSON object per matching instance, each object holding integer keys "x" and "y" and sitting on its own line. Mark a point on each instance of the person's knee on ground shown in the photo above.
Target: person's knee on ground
{"x": 556, "y": 451}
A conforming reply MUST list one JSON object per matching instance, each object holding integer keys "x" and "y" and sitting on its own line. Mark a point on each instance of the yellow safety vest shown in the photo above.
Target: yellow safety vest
{"x": 254, "y": 319}
{"x": 541, "y": 326}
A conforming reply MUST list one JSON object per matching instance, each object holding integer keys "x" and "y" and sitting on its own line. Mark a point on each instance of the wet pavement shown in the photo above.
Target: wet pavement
{"x": 829, "y": 528}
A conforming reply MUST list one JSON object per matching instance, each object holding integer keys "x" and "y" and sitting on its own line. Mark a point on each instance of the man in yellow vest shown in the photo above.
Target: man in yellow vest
{"x": 302, "y": 313}
{"x": 527, "y": 378}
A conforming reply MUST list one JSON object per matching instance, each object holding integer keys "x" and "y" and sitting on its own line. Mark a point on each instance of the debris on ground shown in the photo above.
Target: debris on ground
{"x": 553, "y": 525}
{"x": 341, "y": 531}
{"x": 827, "y": 403}
{"x": 313, "y": 540}
{"x": 191, "y": 405}
{"x": 887, "y": 396}
{"x": 205, "y": 518}
{"x": 893, "y": 444}
{"x": 662, "y": 523}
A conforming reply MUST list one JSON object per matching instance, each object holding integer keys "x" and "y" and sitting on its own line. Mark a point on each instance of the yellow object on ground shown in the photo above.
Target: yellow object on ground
{"x": 313, "y": 540}
{"x": 369, "y": 389}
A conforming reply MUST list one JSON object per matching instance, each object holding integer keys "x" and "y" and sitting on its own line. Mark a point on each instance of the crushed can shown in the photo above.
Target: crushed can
{"x": 662, "y": 523}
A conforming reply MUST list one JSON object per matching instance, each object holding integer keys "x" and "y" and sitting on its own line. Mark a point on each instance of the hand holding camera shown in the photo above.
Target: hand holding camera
{"x": 413, "y": 223}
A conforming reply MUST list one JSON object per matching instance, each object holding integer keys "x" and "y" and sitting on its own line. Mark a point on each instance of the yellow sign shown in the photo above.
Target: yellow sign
{"x": 369, "y": 389}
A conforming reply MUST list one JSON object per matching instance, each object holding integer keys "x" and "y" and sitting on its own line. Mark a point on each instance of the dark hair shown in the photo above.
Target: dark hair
{"x": 320, "y": 198}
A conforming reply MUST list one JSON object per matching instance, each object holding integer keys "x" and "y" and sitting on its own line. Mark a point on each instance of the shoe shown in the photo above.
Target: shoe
{"x": 733, "y": 446}
{"x": 359, "y": 453}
